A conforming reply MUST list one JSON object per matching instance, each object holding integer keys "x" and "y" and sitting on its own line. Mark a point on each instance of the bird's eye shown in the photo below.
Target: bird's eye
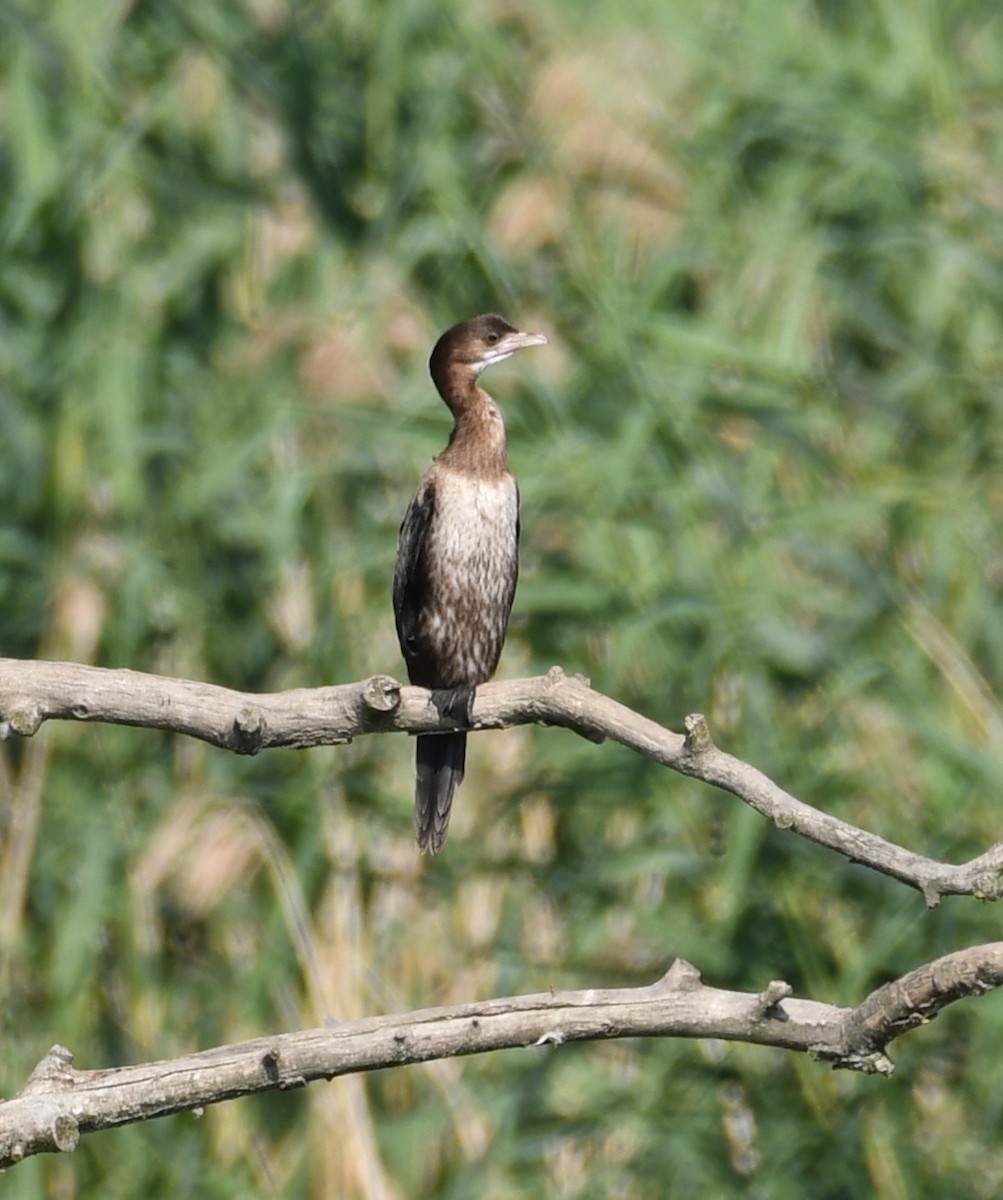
{"x": 491, "y": 338}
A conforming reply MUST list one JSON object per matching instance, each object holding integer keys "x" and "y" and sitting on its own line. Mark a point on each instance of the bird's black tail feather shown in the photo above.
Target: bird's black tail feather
{"x": 440, "y": 760}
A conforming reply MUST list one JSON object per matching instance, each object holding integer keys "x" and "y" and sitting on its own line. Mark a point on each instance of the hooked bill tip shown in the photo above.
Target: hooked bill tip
{"x": 520, "y": 341}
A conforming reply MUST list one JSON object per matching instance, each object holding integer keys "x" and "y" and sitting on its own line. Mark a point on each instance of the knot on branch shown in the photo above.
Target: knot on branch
{"x": 682, "y": 976}
{"x": 556, "y": 676}
{"x": 381, "y": 694}
{"x": 24, "y": 720}
{"x": 988, "y": 885}
{"x": 573, "y": 708}
{"x": 868, "y": 1063}
{"x": 270, "y": 1065}
{"x": 698, "y": 739}
{"x": 272, "y": 1069}
{"x": 65, "y": 1133}
{"x": 247, "y": 734}
{"x": 768, "y": 1000}
{"x": 53, "y": 1073}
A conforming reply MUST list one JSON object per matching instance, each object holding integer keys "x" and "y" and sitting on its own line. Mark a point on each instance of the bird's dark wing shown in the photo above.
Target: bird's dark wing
{"x": 410, "y": 577}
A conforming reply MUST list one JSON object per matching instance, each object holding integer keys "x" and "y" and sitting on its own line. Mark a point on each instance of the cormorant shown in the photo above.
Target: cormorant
{"x": 457, "y": 559}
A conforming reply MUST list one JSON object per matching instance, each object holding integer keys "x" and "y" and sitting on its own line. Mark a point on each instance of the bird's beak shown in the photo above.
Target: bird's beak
{"x": 508, "y": 345}
{"x": 519, "y": 341}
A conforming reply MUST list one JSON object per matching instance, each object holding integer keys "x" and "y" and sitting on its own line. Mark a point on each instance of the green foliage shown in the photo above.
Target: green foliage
{"x": 760, "y": 468}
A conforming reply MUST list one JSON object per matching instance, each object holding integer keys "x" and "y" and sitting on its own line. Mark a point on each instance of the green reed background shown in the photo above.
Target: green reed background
{"x": 761, "y": 475}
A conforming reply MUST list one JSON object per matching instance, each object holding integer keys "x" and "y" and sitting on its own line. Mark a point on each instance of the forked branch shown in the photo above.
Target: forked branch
{"x": 59, "y": 1103}
{"x": 245, "y": 723}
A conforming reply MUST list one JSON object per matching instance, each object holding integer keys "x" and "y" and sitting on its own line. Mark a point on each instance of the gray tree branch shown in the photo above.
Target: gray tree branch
{"x": 33, "y": 692}
{"x": 59, "y": 1103}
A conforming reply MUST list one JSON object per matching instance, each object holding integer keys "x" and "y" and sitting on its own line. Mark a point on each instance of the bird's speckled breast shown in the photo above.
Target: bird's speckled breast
{"x": 472, "y": 553}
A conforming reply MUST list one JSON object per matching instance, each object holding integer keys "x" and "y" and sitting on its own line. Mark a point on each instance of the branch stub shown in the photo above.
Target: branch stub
{"x": 25, "y": 721}
{"x": 698, "y": 738}
{"x": 382, "y": 693}
{"x": 248, "y": 733}
{"x": 65, "y": 1133}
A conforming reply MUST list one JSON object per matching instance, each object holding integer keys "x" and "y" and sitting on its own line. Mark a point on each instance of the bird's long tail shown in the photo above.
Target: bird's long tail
{"x": 440, "y": 760}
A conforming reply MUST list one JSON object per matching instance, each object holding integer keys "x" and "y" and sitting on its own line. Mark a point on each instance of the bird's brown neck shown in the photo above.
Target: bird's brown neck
{"x": 477, "y": 443}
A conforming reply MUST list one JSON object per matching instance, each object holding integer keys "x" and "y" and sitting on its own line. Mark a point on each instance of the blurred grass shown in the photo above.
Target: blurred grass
{"x": 760, "y": 469}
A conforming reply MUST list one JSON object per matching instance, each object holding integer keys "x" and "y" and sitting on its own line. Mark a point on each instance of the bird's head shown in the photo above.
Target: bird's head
{"x": 477, "y": 344}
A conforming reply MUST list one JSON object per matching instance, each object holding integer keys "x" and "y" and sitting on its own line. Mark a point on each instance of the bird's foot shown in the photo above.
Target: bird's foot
{"x": 456, "y": 704}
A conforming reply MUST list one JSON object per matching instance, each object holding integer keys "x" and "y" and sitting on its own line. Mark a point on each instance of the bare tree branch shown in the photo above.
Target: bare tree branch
{"x": 33, "y": 692}
{"x": 59, "y": 1103}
